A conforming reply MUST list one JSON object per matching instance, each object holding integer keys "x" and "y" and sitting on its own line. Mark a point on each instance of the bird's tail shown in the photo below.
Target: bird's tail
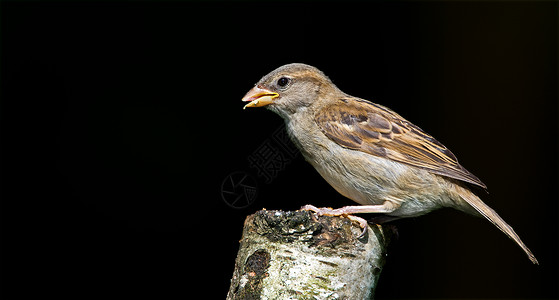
{"x": 494, "y": 218}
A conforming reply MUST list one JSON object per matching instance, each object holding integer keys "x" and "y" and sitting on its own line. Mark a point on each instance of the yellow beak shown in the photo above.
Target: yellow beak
{"x": 258, "y": 97}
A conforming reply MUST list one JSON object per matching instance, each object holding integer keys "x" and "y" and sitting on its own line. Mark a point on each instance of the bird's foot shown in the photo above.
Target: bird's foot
{"x": 328, "y": 211}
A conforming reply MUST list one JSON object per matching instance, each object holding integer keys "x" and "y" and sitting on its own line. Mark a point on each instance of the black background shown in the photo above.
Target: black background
{"x": 120, "y": 120}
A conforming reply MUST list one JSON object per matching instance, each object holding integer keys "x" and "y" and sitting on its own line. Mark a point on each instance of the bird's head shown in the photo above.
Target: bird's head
{"x": 289, "y": 88}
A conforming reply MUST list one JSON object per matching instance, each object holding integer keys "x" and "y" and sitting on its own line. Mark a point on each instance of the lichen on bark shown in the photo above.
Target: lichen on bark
{"x": 296, "y": 255}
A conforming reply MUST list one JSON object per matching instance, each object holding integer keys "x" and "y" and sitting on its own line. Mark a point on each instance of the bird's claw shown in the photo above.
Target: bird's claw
{"x": 322, "y": 211}
{"x": 327, "y": 211}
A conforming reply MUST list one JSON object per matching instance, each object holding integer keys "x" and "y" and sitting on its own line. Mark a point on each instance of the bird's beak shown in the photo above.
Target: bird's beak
{"x": 258, "y": 97}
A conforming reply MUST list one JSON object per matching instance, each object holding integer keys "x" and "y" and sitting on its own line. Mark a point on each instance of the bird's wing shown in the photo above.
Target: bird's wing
{"x": 371, "y": 128}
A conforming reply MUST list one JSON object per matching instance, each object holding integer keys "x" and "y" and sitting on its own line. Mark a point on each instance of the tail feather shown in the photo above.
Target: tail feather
{"x": 494, "y": 218}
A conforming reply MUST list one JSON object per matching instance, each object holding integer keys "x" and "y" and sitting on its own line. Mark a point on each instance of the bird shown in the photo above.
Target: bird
{"x": 369, "y": 153}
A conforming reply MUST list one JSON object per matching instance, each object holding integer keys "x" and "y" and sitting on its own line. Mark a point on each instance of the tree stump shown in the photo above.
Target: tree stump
{"x": 296, "y": 255}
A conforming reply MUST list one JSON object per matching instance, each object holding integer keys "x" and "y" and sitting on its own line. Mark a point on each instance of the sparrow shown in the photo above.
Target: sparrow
{"x": 369, "y": 153}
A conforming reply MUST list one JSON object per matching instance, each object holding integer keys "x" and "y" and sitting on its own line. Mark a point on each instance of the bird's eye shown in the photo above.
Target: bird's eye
{"x": 283, "y": 81}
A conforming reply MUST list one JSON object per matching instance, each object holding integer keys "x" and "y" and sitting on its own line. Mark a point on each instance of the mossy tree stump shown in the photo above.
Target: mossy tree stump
{"x": 296, "y": 255}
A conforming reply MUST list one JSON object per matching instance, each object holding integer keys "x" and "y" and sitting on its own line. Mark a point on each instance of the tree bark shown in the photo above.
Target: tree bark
{"x": 296, "y": 255}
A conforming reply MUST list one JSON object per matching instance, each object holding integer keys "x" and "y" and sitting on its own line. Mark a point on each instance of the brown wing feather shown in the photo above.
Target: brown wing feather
{"x": 371, "y": 128}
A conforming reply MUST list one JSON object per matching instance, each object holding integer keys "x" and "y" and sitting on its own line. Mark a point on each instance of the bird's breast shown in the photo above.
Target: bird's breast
{"x": 364, "y": 178}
